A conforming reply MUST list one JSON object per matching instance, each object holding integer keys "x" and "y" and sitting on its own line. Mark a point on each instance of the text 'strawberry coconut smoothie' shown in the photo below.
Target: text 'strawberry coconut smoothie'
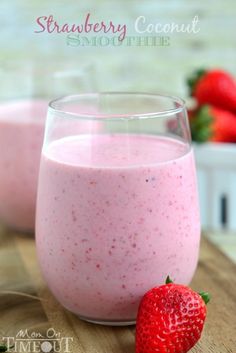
{"x": 21, "y": 138}
{"x": 116, "y": 214}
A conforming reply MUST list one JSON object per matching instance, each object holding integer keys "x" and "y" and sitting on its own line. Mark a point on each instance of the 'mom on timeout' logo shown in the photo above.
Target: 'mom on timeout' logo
{"x": 35, "y": 342}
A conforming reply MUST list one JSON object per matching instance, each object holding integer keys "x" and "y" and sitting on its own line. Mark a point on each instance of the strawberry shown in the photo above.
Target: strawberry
{"x": 209, "y": 123}
{"x": 170, "y": 319}
{"x": 215, "y": 87}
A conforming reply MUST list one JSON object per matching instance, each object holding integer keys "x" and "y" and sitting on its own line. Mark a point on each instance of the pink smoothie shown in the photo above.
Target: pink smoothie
{"x": 115, "y": 216}
{"x": 21, "y": 138}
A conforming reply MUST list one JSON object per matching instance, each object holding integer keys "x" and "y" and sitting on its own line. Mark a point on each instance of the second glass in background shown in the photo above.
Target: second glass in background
{"x": 24, "y": 98}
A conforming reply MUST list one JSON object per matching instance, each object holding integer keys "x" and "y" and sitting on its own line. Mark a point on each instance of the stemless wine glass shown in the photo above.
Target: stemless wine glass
{"x": 24, "y": 98}
{"x": 117, "y": 207}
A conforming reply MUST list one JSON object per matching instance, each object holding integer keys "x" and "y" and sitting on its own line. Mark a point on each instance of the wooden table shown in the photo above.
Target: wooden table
{"x": 37, "y": 310}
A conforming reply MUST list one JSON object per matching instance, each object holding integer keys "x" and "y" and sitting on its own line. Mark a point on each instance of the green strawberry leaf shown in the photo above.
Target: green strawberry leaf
{"x": 205, "y": 296}
{"x": 194, "y": 78}
{"x": 201, "y": 124}
{"x": 168, "y": 280}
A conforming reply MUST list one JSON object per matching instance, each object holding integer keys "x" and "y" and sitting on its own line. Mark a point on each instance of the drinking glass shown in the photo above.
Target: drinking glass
{"x": 117, "y": 207}
{"x": 24, "y": 97}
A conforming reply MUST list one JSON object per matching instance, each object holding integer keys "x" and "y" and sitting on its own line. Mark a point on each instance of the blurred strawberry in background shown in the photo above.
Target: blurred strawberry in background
{"x": 210, "y": 123}
{"x": 214, "y": 117}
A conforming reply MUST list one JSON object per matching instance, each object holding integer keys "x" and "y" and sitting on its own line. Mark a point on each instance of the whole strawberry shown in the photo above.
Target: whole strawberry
{"x": 210, "y": 123}
{"x": 215, "y": 87}
{"x": 170, "y": 319}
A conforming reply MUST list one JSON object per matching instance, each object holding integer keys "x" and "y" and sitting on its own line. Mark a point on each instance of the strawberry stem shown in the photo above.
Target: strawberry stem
{"x": 168, "y": 280}
{"x": 205, "y": 296}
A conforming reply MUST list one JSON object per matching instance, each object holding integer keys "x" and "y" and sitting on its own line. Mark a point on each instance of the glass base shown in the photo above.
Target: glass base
{"x": 108, "y": 322}
{"x": 19, "y": 231}
{"x": 22, "y": 232}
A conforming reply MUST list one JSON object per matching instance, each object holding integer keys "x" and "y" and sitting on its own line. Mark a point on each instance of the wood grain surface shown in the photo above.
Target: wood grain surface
{"x": 26, "y": 303}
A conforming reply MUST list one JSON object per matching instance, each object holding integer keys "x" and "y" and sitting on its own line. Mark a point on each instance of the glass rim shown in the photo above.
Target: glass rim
{"x": 53, "y": 106}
